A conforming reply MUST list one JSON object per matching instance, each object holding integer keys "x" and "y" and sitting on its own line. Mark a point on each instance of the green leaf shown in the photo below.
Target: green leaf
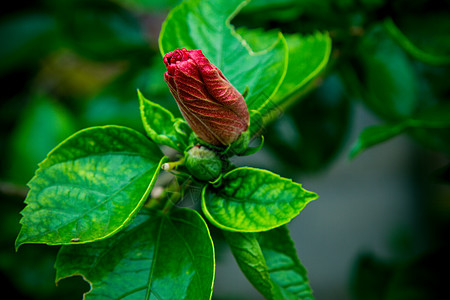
{"x": 284, "y": 266}
{"x": 374, "y": 135}
{"x": 101, "y": 30}
{"x": 157, "y": 257}
{"x": 413, "y": 50}
{"x": 252, "y": 200}
{"x": 205, "y": 25}
{"x": 389, "y": 81}
{"x": 311, "y": 133}
{"x": 162, "y": 127}
{"x": 247, "y": 252}
{"x": 43, "y": 124}
{"x": 89, "y": 187}
{"x": 269, "y": 261}
{"x": 435, "y": 118}
{"x": 308, "y": 56}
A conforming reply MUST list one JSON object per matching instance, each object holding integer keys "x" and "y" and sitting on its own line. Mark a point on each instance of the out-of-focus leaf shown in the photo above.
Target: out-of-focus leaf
{"x": 43, "y": 124}
{"x": 435, "y": 120}
{"x": 310, "y": 134}
{"x": 370, "y": 279}
{"x": 101, "y": 29}
{"x": 89, "y": 187}
{"x": 413, "y": 50}
{"x": 147, "y": 6}
{"x": 374, "y": 135}
{"x": 388, "y": 78}
{"x": 157, "y": 257}
{"x": 26, "y": 38}
{"x": 422, "y": 277}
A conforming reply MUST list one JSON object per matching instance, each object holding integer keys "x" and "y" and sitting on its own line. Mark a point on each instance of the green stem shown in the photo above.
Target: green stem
{"x": 172, "y": 165}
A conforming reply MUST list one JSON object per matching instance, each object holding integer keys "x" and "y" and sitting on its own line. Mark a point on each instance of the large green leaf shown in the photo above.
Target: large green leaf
{"x": 308, "y": 56}
{"x": 89, "y": 187}
{"x": 252, "y": 200}
{"x": 205, "y": 25}
{"x": 157, "y": 257}
{"x": 162, "y": 127}
{"x": 269, "y": 261}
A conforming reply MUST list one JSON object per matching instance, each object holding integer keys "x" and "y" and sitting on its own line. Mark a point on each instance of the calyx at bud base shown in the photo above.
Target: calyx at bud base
{"x": 203, "y": 163}
{"x": 212, "y": 106}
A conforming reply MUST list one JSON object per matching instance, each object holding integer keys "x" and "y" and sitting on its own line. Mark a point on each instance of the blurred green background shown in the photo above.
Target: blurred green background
{"x": 67, "y": 65}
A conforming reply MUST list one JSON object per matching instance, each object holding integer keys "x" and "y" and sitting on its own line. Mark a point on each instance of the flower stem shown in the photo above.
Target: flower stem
{"x": 172, "y": 165}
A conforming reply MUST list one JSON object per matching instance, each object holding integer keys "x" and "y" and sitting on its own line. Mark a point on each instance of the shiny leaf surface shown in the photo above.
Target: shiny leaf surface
{"x": 252, "y": 200}
{"x": 89, "y": 187}
{"x": 162, "y": 127}
{"x": 157, "y": 257}
{"x": 269, "y": 261}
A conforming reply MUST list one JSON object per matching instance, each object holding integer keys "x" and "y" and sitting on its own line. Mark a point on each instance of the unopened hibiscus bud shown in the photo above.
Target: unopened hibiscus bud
{"x": 211, "y": 105}
{"x": 203, "y": 163}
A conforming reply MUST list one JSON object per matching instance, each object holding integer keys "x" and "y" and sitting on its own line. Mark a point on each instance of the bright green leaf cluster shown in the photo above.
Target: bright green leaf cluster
{"x": 89, "y": 193}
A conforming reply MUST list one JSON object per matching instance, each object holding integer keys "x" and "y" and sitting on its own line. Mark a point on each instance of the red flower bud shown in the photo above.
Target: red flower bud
{"x": 211, "y": 105}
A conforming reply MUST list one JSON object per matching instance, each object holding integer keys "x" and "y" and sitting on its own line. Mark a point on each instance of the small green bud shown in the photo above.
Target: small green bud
{"x": 203, "y": 163}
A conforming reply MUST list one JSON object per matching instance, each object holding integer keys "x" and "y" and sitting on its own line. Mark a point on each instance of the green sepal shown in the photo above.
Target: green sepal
{"x": 162, "y": 127}
{"x": 204, "y": 164}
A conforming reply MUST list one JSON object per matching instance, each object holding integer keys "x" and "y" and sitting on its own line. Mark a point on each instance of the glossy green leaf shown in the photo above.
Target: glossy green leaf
{"x": 89, "y": 187}
{"x": 162, "y": 127}
{"x": 205, "y": 25}
{"x": 157, "y": 257}
{"x": 269, "y": 261}
{"x": 248, "y": 254}
{"x": 284, "y": 266}
{"x": 308, "y": 56}
{"x": 252, "y": 200}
